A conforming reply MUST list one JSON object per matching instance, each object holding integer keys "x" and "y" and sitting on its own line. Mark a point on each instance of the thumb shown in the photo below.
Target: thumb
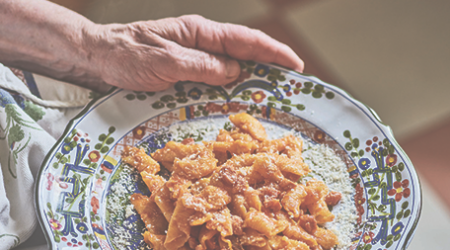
{"x": 200, "y": 66}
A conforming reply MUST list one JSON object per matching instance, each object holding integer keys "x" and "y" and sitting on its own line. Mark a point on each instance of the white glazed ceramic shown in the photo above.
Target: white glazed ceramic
{"x": 76, "y": 176}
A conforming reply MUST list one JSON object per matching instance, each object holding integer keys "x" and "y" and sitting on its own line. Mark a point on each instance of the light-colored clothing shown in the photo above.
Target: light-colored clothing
{"x": 34, "y": 111}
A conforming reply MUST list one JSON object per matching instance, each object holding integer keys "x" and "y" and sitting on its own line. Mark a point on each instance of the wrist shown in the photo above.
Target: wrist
{"x": 103, "y": 47}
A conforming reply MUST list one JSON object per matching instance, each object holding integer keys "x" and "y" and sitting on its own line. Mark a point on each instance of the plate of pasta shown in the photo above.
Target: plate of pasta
{"x": 273, "y": 160}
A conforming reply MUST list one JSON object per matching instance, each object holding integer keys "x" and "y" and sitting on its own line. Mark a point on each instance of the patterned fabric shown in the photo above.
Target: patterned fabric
{"x": 29, "y": 126}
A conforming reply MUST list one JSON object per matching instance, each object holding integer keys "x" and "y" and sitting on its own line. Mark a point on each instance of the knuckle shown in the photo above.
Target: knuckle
{"x": 258, "y": 32}
{"x": 192, "y": 18}
{"x": 206, "y": 66}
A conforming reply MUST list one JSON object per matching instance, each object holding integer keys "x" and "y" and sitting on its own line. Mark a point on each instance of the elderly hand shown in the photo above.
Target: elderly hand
{"x": 148, "y": 56}
{"x": 153, "y": 55}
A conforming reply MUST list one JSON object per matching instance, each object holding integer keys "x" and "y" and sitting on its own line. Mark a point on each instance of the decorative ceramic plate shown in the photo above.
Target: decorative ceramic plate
{"x": 82, "y": 178}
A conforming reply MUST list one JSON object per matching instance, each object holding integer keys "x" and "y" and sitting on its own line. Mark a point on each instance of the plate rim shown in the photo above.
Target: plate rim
{"x": 371, "y": 113}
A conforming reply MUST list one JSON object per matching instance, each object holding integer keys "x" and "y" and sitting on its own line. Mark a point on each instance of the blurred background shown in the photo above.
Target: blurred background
{"x": 392, "y": 55}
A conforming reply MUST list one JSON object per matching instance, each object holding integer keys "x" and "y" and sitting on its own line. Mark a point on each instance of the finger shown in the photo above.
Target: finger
{"x": 188, "y": 64}
{"x": 236, "y": 41}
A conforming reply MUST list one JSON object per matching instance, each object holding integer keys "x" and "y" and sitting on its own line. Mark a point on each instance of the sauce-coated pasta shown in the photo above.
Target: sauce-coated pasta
{"x": 238, "y": 192}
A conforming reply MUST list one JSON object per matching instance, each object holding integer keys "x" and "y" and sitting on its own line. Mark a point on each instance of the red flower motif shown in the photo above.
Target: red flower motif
{"x": 139, "y": 132}
{"x": 225, "y": 108}
{"x": 107, "y": 170}
{"x": 359, "y": 201}
{"x": 391, "y": 160}
{"x": 264, "y": 111}
{"x": 54, "y": 224}
{"x": 95, "y": 204}
{"x": 244, "y": 75}
{"x": 192, "y": 111}
{"x": 400, "y": 190}
{"x": 94, "y": 156}
{"x": 63, "y": 185}
{"x": 50, "y": 179}
{"x": 235, "y": 107}
{"x": 258, "y": 96}
{"x": 319, "y": 136}
{"x": 212, "y": 107}
{"x": 368, "y": 237}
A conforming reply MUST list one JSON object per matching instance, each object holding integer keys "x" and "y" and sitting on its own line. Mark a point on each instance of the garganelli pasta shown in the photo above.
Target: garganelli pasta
{"x": 241, "y": 191}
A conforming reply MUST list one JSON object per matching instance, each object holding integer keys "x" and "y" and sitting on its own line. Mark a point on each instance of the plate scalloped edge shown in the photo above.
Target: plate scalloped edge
{"x": 366, "y": 238}
{"x": 388, "y": 130}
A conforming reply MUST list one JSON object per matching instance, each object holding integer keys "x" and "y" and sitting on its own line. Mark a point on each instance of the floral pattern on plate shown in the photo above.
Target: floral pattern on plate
{"x": 77, "y": 175}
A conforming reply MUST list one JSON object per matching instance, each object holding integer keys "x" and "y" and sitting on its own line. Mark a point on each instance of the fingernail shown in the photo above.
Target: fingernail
{"x": 233, "y": 68}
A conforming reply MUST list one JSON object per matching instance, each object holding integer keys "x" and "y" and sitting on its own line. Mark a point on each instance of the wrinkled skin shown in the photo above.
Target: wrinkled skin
{"x": 50, "y": 40}
{"x": 160, "y": 53}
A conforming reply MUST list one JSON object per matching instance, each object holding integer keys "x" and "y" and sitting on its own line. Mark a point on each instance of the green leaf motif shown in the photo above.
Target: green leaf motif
{"x": 329, "y": 95}
{"x": 300, "y": 107}
{"x": 407, "y": 213}
{"x": 245, "y": 98}
{"x": 347, "y": 134}
{"x": 16, "y": 134}
{"x": 308, "y": 85}
{"x": 167, "y": 98}
{"x": 109, "y": 140}
{"x": 286, "y": 101}
{"x": 286, "y": 108}
{"x": 158, "y": 105}
{"x": 306, "y": 91}
{"x": 34, "y": 111}
{"x": 104, "y": 149}
{"x": 401, "y": 166}
{"x": 399, "y": 215}
{"x": 405, "y": 205}
{"x": 398, "y": 176}
{"x": 102, "y": 137}
{"x": 141, "y": 97}
{"x": 319, "y": 87}
{"x": 130, "y": 97}
{"x": 111, "y": 129}
{"x": 390, "y": 237}
{"x": 272, "y": 98}
{"x": 316, "y": 94}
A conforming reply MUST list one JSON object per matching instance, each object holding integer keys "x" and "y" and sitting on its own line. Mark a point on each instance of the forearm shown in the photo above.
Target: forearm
{"x": 46, "y": 38}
